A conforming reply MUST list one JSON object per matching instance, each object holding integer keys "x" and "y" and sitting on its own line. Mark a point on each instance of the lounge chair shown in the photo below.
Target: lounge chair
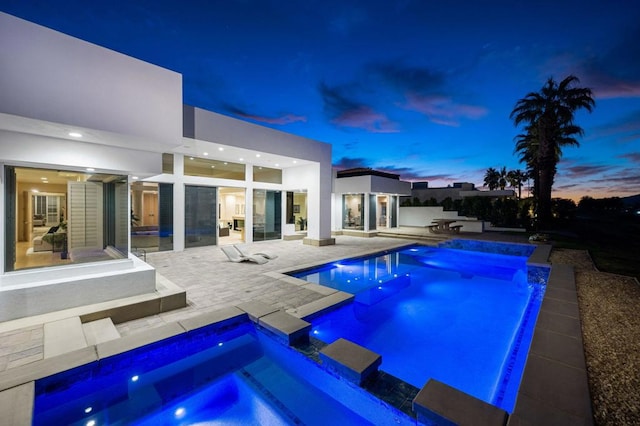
{"x": 235, "y": 256}
{"x": 244, "y": 252}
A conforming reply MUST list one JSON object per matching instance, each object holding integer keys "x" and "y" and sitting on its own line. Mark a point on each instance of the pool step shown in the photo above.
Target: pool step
{"x": 70, "y": 334}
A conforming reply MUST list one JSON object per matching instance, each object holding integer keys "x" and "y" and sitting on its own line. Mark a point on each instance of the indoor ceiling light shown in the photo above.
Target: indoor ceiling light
{"x": 91, "y": 169}
{"x": 205, "y": 153}
{"x": 220, "y": 148}
{"x": 75, "y": 134}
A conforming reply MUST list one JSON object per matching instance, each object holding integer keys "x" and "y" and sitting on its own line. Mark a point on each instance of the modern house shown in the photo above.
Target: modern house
{"x": 100, "y": 157}
{"x": 457, "y": 191}
{"x": 365, "y": 200}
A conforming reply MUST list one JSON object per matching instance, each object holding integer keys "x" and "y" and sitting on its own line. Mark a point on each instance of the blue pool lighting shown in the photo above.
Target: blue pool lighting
{"x": 463, "y": 315}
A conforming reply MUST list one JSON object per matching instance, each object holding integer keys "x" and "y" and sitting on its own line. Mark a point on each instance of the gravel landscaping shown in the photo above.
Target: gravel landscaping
{"x": 609, "y": 305}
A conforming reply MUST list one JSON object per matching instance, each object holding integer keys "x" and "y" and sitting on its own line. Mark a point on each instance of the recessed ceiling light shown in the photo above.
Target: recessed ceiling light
{"x": 134, "y": 177}
{"x": 75, "y": 134}
{"x": 44, "y": 178}
{"x": 34, "y": 190}
{"x": 295, "y": 162}
{"x": 241, "y": 159}
{"x": 258, "y": 155}
{"x": 205, "y": 153}
{"x": 91, "y": 169}
{"x": 225, "y": 163}
{"x": 190, "y": 158}
{"x": 220, "y": 148}
{"x": 277, "y": 164}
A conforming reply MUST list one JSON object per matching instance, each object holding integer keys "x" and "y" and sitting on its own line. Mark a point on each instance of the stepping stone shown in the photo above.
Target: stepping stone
{"x": 351, "y": 361}
{"x": 286, "y": 327}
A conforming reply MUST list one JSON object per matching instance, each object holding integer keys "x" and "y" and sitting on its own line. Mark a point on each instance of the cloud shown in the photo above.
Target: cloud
{"x": 280, "y": 120}
{"x": 351, "y": 163}
{"x": 574, "y": 172}
{"x": 443, "y": 110}
{"x": 625, "y": 130}
{"x": 406, "y": 78}
{"x": 345, "y": 112}
{"x": 615, "y": 73}
{"x": 634, "y": 157}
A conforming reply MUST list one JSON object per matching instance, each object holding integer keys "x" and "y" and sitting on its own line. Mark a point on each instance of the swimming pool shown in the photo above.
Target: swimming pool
{"x": 237, "y": 375}
{"x": 463, "y": 317}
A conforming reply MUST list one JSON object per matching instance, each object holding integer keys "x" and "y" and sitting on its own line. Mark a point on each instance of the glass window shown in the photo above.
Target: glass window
{"x": 64, "y": 217}
{"x": 372, "y": 212}
{"x": 267, "y": 215}
{"x": 194, "y": 166}
{"x": 353, "y": 211}
{"x": 200, "y": 216}
{"x": 167, "y": 164}
{"x": 266, "y": 174}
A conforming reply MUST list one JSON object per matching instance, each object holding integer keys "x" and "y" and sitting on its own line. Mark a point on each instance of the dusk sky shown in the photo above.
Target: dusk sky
{"x": 419, "y": 88}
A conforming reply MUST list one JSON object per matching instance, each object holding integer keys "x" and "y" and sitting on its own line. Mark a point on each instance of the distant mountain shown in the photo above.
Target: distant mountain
{"x": 633, "y": 200}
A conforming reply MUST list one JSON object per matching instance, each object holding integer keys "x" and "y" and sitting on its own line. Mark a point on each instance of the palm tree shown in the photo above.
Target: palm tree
{"x": 491, "y": 178}
{"x": 516, "y": 178}
{"x": 549, "y": 118}
{"x": 502, "y": 179}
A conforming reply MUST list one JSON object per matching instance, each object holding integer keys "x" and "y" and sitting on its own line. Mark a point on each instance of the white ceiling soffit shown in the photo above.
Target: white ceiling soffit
{"x": 18, "y": 124}
{"x": 211, "y": 150}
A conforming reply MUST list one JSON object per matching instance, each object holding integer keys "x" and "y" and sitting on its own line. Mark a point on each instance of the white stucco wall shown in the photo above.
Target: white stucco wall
{"x": 47, "y": 75}
{"x": 424, "y": 216}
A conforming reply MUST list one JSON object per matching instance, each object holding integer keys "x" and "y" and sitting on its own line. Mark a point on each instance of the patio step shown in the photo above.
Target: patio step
{"x": 70, "y": 334}
{"x": 63, "y": 336}
{"x": 100, "y": 331}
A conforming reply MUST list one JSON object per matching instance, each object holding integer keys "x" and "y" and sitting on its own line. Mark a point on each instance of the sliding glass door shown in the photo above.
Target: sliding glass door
{"x": 200, "y": 216}
{"x": 267, "y": 215}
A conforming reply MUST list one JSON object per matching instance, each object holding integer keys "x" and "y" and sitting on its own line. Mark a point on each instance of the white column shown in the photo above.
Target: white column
{"x": 178, "y": 202}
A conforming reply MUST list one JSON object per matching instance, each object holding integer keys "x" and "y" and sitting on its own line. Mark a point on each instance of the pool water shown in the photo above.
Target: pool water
{"x": 465, "y": 318}
{"x": 239, "y": 376}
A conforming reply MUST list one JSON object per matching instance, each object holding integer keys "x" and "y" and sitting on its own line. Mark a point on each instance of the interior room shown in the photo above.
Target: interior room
{"x": 231, "y": 215}
{"x": 42, "y": 228}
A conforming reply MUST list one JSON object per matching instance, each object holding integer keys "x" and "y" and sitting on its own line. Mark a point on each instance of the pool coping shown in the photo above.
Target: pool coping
{"x": 554, "y": 387}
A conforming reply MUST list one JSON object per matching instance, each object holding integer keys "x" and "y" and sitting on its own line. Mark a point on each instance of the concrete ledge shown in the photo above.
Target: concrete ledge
{"x": 46, "y": 367}
{"x": 293, "y": 237}
{"x": 320, "y": 306}
{"x": 256, "y": 309}
{"x": 319, "y": 243}
{"x": 441, "y": 404}
{"x": 351, "y": 361}
{"x": 362, "y": 234}
{"x": 223, "y": 317}
{"x": 137, "y": 340}
{"x": 16, "y": 405}
{"x": 286, "y": 327}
